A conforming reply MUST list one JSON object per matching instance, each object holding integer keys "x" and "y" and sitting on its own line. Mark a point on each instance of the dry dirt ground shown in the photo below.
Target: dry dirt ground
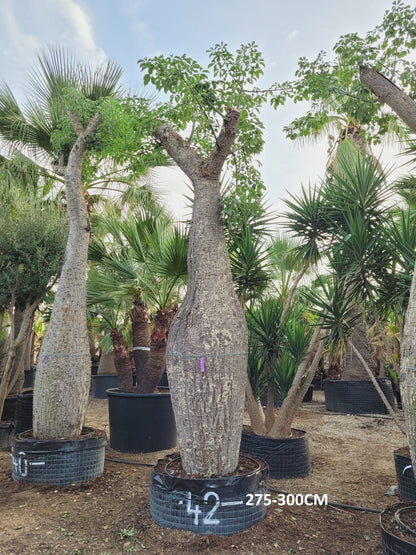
{"x": 352, "y": 462}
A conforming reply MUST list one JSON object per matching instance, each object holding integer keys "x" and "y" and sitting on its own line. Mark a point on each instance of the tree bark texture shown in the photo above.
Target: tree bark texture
{"x": 156, "y": 362}
{"x": 140, "y": 323}
{"x": 122, "y": 361}
{"x": 405, "y": 107}
{"x": 14, "y": 341}
{"x": 351, "y": 367}
{"x": 106, "y": 365}
{"x": 23, "y": 352}
{"x": 63, "y": 371}
{"x": 389, "y": 93}
{"x": 207, "y": 345}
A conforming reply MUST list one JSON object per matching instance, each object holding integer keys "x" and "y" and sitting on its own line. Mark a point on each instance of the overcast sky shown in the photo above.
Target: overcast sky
{"x": 126, "y": 30}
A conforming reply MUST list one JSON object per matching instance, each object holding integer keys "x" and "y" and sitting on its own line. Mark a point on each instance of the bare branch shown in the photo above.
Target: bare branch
{"x": 388, "y": 93}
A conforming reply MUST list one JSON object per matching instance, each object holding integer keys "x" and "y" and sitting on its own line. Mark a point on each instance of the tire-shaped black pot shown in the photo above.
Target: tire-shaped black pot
{"x": 405, "y": 478}
{"x": 141, "y": 422}
{"x": 24, "y": 412}
{"x": 6, "y": 434}
{"x": 394, "y": 542}
{"x": 222, "y": 506}
{"x": 357, "y": 397}
{"x": 286, "y": 457}
{"x": 59, "y": 462}
{"x": 100, "y": 383}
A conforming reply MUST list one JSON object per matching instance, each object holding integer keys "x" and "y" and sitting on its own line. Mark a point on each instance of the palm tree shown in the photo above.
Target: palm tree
{"x": 141, "y": 263}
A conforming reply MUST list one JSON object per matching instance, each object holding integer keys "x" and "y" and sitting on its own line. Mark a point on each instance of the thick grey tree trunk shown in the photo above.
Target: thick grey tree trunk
{"x": 63, "y": 371}
{"x": 207, "y": 345}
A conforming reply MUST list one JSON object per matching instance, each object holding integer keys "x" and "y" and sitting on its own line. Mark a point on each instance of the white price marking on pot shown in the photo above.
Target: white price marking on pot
{"x": 197, "y": 512}
{"x": 21, "y": 464}
{"x": 290, "y": 499}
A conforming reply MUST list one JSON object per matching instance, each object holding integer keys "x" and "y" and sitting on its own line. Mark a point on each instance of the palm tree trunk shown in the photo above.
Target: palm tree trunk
{"x": 140, "y": 320}
{"x": 122, "y": 361}
{"x": 106, "y": 365}
{"x": 156, "y": 363}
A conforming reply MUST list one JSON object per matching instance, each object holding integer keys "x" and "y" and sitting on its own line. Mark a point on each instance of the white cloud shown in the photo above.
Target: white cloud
{"x": 28, "y": 26}
{"x": 292, "y": 35}
{"x": 141, "y": 32}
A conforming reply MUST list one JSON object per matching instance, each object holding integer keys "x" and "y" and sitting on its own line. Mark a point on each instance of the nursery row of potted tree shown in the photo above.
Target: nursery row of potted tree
{"x": 207, "y": 346}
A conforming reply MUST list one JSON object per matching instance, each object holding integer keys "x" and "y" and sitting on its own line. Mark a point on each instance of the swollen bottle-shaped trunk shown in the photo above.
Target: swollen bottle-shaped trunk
{"x": 207, "y": 345}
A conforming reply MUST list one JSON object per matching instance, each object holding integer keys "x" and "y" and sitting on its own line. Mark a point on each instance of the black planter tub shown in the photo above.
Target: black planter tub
{"x": 30, "y": 374}
{"x": 398, "y": 533}
{"x": 357, "y": 397}
{"x": 24, "y": 412}
{"x": 404, "y": 473}
{"x": 141, "y": 422}
{"x": 222, "y": 506}
{"x": 6, "y": 434}
{"x": 9, "y": 409}
{"x": 286, "y": 457}
{"x": 100, "y": 383}
{"x": 58, "y": 462}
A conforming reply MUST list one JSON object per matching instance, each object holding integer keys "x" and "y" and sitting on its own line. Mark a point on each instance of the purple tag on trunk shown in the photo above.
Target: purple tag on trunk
{"x": 201, "y": 360}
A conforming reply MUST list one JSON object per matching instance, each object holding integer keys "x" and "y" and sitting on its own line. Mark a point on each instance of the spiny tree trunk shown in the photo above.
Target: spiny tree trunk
{"x": 207, "y": 346}
{"x": 405, "y": 107}
{"x": 156, "y": 363}
{"x": 140, "y": 321}
{"x": 63, "y": 372}
{"x": 122, "y": 361}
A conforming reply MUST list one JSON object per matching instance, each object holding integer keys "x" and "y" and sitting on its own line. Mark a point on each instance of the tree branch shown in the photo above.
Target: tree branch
{"x": 91, "y": 128}
{"x": 224, "y": 143}
{"x": 388, "y": 93}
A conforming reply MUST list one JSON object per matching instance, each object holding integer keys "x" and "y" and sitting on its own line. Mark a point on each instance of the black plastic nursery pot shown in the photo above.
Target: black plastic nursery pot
{"x": 30, "y": 374}
{"x": 222, "y": 506}
{"x": 6, "y": 434}
{"x": 404, "y": 473}
{"x": 59, "y": 462}
{"x": 357, "y": 397}
{"x": 286, "y": 457}
{"x": 398, "y": 529}
{"x": 100, "y": 383}
{"x": 9, "y": 408}
{"x": 24, "y": 412}
{"x": 141, "y": 422}
{"x": 307, "y": 398}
